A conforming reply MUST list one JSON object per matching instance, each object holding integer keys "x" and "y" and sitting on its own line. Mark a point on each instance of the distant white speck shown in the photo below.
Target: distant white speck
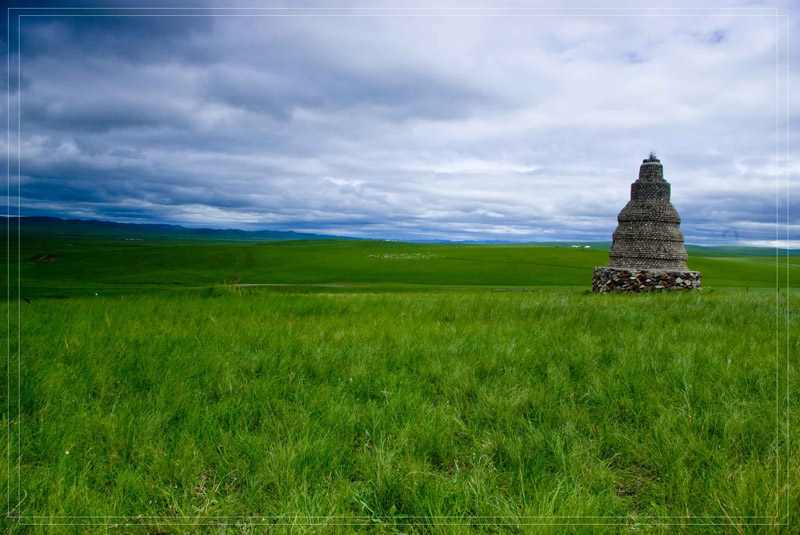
{"x": 95, "y": 293}
{"x": 66, "y": 452}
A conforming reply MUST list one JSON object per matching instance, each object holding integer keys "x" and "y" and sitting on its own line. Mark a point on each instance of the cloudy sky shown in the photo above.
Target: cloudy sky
{"x": 519, "y": 125}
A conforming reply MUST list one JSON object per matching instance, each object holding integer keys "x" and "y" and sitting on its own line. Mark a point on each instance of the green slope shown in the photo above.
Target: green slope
{"x": 72, "y": 266}
{"x": 90, "y": 228}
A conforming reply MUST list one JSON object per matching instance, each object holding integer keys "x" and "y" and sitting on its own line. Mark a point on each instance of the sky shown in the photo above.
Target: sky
{"x": 413, "y": 124}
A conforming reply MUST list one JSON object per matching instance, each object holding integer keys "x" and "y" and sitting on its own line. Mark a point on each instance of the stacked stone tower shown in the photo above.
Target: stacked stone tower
{"x": 647, "y": 252}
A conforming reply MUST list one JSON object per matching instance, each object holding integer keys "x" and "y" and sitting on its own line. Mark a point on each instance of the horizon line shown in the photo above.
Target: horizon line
{"x": 486, "y": 241}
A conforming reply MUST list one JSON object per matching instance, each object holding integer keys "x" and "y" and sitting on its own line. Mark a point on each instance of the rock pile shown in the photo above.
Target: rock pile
{"x": 609, "y": 279}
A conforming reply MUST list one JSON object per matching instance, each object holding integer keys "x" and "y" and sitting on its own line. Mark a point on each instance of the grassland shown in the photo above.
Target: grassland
{"x": 402, "y": 396}
{"x": 84, "y": 266}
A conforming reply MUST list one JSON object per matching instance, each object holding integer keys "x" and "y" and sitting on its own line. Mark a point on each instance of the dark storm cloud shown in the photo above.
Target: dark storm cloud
{"x": 400, "y": 127}
{"x": 136, "y": 40}
{"x": 278, "y": 92}
{"x": 102, "y": 114}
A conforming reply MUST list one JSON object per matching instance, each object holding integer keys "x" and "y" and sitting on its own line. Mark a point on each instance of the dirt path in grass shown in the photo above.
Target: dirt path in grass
{"x": 320, "y": 285}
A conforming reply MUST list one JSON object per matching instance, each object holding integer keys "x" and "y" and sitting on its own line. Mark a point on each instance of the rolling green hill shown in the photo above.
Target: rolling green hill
{"x": 82, "y": 265}
{"x": 83, "y": 228}
{"x": 383, "y": 385}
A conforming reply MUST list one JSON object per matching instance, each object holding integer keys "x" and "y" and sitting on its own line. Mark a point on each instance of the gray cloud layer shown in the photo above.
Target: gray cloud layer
{"x": 414, "y": 127}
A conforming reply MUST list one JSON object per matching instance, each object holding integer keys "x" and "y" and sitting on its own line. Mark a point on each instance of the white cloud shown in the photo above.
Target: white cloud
{"x": 521, "y": 128}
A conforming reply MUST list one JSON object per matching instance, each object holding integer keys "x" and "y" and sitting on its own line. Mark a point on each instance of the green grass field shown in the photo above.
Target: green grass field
{"x": 84, "y": 266}
{"x": 384, "y": 387}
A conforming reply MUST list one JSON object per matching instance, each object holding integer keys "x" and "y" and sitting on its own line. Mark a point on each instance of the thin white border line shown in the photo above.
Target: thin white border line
{"x": 264, "y": 517}
{"x": 369, "y": 523}
{"x": 362, "y": 8}
{"x": 19, "y": 259}
{"x": 786, "y": 169}
{"x": 777, "y": 273}
{"x": 380, "y": 15}
{"x": 367, "y": 518}
{"x": 8, "y": 259}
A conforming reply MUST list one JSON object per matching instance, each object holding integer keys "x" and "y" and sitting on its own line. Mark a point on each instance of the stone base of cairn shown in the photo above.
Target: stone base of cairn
{"x": 628, "y": 280}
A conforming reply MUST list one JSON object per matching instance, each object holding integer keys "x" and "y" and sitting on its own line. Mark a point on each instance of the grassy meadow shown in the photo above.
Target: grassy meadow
{"x": 385, "y": 387}
{"x": 75, "y": 266}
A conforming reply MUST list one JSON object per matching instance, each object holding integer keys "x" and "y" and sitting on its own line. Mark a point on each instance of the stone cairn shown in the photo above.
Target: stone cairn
{"x": 647, "y": 252}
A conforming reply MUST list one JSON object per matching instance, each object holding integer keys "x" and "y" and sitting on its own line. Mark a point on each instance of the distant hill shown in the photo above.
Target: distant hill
{"x": 739, "y": 250}
{"x": 54, "y": 226}
{"x": 704, "y": 250}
